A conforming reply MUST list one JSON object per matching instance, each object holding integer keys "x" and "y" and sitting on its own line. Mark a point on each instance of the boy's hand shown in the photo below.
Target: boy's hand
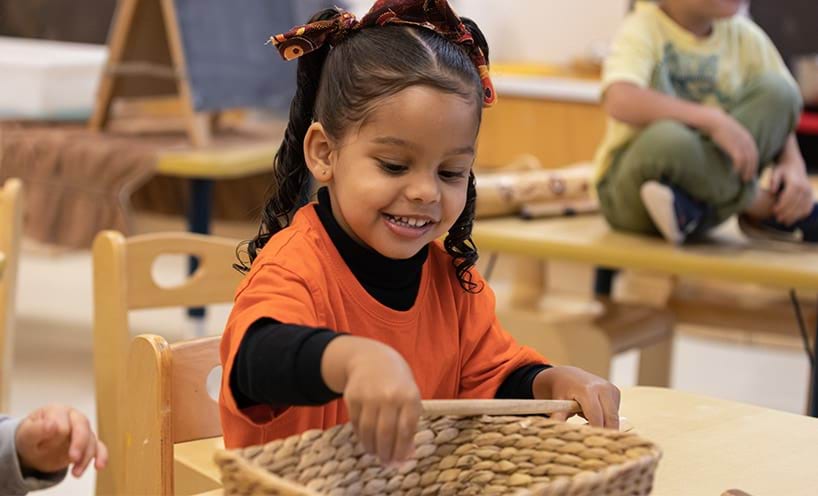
{"x": 383, "y": 401}
{"x": 794, "y": 198}
{"x": 729, "y": 135}
{"x": 598, "y": 398}
{"x": 56, "y": 436}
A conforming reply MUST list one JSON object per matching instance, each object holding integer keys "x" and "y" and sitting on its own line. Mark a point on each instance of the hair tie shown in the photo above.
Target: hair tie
{"x": 436, "y": 15}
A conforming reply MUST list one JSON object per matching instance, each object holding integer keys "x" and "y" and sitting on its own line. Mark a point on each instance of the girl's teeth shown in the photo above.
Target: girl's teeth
{"x": 410, "y": 222}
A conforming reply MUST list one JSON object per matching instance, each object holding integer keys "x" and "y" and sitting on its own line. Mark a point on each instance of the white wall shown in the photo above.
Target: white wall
{"x": 547, "y": 31}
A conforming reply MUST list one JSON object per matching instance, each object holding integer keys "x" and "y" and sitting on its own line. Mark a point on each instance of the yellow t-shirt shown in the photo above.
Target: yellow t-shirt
{"x": 652, "y": 51}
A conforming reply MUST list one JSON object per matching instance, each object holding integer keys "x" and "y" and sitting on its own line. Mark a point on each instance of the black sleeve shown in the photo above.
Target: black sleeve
{"x": 280, "y": 365}
{"x": 518, "y": 385}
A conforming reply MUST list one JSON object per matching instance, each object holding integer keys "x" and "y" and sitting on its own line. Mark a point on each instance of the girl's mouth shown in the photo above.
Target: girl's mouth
{"x": 409, "y": 227}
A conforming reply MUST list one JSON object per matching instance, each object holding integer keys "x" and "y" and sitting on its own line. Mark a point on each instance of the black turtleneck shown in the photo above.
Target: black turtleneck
{"x": 294, "y": 378}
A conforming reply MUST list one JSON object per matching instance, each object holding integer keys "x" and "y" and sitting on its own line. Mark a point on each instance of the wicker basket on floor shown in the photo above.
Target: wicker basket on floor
{"x": 453, "y": 456}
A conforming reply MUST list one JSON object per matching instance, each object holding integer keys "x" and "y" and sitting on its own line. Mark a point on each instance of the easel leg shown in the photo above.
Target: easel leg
{"x": 655, "y": 363}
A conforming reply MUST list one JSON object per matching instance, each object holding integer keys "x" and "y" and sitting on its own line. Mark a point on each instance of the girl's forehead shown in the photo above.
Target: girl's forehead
{"x": 422, "y": 115}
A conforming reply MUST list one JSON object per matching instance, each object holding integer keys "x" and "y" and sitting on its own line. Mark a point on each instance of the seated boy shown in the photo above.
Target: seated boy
{"x": 36, "y": 451}
{"x": 700, "y": 101}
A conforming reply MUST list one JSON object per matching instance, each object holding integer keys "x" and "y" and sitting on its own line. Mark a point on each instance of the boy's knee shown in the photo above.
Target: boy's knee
{"x": 777, "y": 93}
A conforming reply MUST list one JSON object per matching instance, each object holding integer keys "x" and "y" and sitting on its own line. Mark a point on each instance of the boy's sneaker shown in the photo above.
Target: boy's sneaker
{"x": 803, "y": 231}
{"x": 673, "y": 212}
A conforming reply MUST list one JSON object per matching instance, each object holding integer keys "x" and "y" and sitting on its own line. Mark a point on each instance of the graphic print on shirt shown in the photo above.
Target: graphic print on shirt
{"x": 689, "y": 76}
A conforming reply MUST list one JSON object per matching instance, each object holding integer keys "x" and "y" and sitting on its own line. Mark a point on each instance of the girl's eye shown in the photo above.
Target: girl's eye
{"x": 392, "y": 168}
{"x": 452, "y": 175}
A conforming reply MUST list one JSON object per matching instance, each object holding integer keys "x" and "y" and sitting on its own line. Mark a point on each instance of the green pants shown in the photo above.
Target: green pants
{"x": 679, "y": 155}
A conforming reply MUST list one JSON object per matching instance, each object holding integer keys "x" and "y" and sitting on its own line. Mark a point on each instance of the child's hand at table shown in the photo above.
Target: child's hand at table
{"x": 598, "y": 398}
{"x": 52, "y": 438}
{"x": 380, "y": 393}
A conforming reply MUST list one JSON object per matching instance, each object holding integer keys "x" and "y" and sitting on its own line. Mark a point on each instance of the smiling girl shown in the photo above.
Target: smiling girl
{"x": 352, "y": 309}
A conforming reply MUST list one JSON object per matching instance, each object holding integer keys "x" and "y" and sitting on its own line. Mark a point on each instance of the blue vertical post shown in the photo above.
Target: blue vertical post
{"x": 198, "y": 221}
{"x": 603, "y": 281}
{"x": 812, "y": 407}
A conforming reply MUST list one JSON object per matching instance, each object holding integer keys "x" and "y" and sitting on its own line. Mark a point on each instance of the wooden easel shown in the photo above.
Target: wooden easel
{"x": 146, "y": 59}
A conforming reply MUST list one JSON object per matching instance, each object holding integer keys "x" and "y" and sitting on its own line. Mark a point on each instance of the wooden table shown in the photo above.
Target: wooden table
{"x": 726, "y": 255}
{"x": 203, "y": 166}
{"x": 711, "y": 445}
{"x": 708, "y": 445}
{"x": 2, "y": 263}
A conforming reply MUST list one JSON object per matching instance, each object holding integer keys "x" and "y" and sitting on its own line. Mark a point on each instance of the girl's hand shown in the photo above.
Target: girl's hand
{"x": 598, "y": 398}
{"x": 383, "y": 401}
{"x": 56, "y": 436}
{"x": 794, "y": 199}
{"x": 729, "y": 135}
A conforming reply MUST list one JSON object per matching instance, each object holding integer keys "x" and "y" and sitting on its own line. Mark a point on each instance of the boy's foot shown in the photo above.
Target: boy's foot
{"x": 673, "y": 212}
{"x": 803, "y": 231}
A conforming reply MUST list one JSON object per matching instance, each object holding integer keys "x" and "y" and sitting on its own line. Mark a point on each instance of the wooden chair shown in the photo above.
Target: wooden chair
{"x": 167, "y": 402}
{"x": 11, "y": 225}
{"x": 123, "y": 282}
{"x": 589, "y": 333}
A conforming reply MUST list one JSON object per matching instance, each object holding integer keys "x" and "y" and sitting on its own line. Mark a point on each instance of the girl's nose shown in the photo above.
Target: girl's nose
{"x": 424, "y": 188}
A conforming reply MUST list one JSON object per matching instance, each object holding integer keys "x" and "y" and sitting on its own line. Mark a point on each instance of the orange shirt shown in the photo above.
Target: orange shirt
{"x": 450, "y": 338}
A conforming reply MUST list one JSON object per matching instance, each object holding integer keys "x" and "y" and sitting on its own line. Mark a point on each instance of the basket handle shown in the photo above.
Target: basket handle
{"x": 498, "y": 407}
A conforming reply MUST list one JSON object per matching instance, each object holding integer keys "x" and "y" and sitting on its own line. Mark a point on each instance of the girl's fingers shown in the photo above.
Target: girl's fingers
{"x": 386, "y": 433}
{"x": 559, "y": 416}
{"x": 407, "y": 427}
{"x": 367, "y": 425}
{"x": 610, "y": 409}
{"x": 592, "y": 410}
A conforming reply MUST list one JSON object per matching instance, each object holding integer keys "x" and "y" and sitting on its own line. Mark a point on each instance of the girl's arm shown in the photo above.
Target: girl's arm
{"x": 520, "y": 383}
{"x": 283, "y": 364}
{"x": 280, "y": 365}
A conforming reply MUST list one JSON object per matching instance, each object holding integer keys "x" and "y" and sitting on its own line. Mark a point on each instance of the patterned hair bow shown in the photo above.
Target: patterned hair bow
{"x": 436, "y": 15}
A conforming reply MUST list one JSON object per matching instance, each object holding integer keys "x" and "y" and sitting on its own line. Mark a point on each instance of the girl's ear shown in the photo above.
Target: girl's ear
{"x": 318, "y": 153}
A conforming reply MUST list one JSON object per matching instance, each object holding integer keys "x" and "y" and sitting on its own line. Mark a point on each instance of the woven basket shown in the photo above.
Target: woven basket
{"x": 453, "y": 456}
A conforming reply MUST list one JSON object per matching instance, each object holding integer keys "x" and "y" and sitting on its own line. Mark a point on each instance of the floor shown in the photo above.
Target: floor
{"x": 53, "y": 358}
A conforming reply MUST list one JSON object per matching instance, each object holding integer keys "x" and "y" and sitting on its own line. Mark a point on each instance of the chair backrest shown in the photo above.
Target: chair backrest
{"x": 123, "y": 281}
{"x": 167, "y": 402}
{"x": 11, "y": 225}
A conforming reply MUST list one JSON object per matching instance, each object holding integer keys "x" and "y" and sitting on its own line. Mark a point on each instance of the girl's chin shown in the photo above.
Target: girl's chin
{"x": 399, "y": 253}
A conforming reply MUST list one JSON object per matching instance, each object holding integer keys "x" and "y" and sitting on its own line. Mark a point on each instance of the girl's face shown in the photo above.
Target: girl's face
{"x": 399, "y": 180}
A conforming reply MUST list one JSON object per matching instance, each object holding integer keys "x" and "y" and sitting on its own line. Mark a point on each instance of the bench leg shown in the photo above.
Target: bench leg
{"x": 562, "y": 342}
{"x": 655, "y": 363}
